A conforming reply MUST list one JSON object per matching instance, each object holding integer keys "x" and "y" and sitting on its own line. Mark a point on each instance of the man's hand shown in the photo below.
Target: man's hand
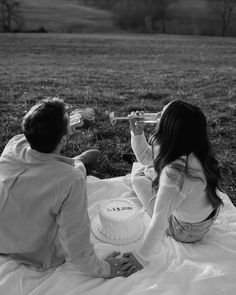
{"x": 119, "y": 266}
{"x": 136, "y": 266}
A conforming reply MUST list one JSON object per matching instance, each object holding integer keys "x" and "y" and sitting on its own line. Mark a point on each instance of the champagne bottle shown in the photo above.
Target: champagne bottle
{"x": 78, "y": 116}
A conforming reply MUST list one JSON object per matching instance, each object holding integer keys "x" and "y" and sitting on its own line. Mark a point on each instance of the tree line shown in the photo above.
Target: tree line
{"x": 154, "y": 15}
{"x": 133, "y": 15}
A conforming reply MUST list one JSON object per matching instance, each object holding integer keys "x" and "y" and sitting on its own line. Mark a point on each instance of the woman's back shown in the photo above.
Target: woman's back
{"x": 196, "y": 206}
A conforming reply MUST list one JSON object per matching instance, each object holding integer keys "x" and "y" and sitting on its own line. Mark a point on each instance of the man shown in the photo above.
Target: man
{"x": 43, "y": 200}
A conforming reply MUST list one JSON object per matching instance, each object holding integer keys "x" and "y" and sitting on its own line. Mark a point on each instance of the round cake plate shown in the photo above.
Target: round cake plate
{"x": 99, "y": 235}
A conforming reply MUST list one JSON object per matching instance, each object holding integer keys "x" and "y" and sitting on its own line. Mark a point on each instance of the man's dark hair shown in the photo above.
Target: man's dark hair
{"x": 45, "y": 124}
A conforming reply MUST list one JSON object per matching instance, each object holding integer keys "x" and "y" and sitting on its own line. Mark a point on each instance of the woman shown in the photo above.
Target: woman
{"x": 177, "y": 177}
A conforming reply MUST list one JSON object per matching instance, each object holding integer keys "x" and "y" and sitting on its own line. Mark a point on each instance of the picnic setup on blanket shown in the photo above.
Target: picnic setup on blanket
{"x": 207, "y": 266}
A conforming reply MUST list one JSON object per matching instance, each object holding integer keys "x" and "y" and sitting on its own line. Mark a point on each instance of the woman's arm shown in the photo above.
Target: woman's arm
{"x": 169, "y": 197}
{"x": 141, "y": 149}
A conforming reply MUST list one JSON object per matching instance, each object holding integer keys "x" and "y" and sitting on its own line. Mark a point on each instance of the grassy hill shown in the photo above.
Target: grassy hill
{"x": 188, "y": 17}
{"x": 64, "y": 16}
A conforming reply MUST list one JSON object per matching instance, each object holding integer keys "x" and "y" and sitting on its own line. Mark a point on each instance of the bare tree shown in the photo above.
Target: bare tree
{"x": 224, "y": 11}
{"x": 9, "y": 14}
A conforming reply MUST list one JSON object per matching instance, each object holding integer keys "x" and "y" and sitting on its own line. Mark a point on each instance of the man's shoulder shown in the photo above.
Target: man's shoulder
{"x": 68, "y": 171}
{"x": 18, "y": 138}
{"x": 17, "y": 142}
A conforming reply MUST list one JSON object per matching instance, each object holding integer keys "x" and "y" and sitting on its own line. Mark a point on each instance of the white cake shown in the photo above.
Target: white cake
{"x": 119, "y": 221}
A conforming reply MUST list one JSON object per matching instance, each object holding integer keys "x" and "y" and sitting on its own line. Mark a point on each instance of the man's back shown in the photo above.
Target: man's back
{"x": 33, "y": 187}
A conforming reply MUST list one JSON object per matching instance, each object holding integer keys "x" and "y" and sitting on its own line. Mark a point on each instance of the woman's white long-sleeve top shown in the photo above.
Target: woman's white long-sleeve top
{"x": 184, "y": 197}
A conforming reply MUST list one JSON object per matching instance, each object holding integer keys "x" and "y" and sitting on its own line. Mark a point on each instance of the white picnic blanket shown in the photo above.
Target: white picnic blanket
{"x": 207, "y": 267}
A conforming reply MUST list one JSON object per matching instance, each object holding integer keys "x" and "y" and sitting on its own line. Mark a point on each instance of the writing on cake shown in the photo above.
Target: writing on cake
{"x": 119, "y": 208}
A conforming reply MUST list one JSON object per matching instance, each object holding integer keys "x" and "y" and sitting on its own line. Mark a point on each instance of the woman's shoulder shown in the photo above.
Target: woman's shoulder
{"x": 173, "y": 173}
{"x": 178, "y": 164}
{"x": 182, "y": 163}
{"x": 179, "y": 169}
{"x": 184, "y": 171}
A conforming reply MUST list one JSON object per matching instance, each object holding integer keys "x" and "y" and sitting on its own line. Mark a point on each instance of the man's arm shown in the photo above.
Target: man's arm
{"x": 74, "y": 232}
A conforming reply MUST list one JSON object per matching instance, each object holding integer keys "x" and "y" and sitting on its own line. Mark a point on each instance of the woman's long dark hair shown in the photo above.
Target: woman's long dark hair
{"x": 183, "y": 130}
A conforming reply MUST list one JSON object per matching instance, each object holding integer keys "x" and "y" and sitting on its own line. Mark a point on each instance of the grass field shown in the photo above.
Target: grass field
{"x": 121, "y": 73}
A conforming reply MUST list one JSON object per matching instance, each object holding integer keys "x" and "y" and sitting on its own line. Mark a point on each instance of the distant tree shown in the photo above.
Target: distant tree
{"x": 9, "y": 14}
{"x": 158, "y": 12}
{"x": 224, "y": 11}
{"x": 137, "y": 14}
{"x": 130, "y": 14}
